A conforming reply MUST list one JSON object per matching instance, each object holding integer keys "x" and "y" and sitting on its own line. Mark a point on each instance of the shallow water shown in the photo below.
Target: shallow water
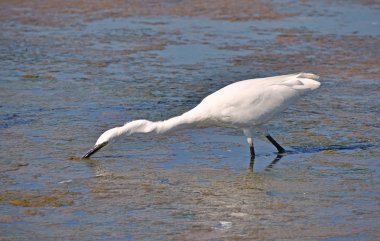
{"x": 68, "y": 73}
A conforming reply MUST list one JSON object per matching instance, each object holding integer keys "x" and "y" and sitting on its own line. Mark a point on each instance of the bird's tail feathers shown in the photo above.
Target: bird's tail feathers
{"x": 305, "y": 81}
{"x": 308, "y": 76}
{"x": 310, "y": 80}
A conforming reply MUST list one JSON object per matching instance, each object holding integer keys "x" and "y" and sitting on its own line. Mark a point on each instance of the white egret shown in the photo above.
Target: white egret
{"x": 246, "y": 105}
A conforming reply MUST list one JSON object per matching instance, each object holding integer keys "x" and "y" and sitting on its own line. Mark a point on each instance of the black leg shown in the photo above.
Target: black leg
{"x": 252, "y": 160}
{"x": 279, "y": 148}
{"x": 252, "y": 151}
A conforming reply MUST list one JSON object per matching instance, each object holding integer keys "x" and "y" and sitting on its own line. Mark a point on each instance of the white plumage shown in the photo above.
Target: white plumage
{"x": 246, "y": 104}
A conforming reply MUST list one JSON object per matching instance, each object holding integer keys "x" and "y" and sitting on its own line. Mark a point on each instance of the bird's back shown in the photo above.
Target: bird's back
{"x": 255, "y": 101}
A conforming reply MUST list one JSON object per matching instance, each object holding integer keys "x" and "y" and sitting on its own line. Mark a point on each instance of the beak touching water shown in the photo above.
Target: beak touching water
{"x": 94, "y": 149}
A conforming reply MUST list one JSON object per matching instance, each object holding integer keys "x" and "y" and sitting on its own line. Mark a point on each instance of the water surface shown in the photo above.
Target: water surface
{"x": 70, "y": 75}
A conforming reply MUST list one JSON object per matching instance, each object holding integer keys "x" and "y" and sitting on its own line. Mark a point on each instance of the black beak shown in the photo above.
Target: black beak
{"x": 94, "y": 149}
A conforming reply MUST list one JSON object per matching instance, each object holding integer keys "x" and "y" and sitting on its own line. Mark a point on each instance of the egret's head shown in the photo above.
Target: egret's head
{"x": 103, "y": 140}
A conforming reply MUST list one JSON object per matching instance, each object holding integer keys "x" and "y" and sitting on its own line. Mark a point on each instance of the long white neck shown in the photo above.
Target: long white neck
{"x": 158, "y": 127}
{"x": 184, "y": 121}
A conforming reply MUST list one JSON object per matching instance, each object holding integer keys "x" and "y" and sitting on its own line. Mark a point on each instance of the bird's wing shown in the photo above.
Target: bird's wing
{"x": 255, "y": 101}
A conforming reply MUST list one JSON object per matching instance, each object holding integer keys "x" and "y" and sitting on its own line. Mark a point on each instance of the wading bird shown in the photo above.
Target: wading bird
{"x": 246, "y": 105}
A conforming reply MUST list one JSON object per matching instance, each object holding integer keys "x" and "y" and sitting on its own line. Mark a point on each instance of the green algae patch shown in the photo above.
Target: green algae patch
{"x": 30, "y": 76}
{"x": 37, "y": 76}
{"x": 330, "y": 151}
{"x": 73, "y": 158}
{"x": 336, "y": 164}
{"x": 55, "y": 198}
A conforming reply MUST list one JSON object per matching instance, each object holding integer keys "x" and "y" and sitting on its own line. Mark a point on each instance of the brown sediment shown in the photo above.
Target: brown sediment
{"x": 132, "y": 192}
{"x": 7, "y": 218}
{"x": 372, "y": 3}
{"x": 343, "y": 55}
{"x": 55, "y": 12}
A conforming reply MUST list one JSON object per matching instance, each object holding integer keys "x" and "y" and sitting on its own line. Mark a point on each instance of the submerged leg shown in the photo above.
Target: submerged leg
{"x": 275, "y": 143}
{"x": 251, "y": 164}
